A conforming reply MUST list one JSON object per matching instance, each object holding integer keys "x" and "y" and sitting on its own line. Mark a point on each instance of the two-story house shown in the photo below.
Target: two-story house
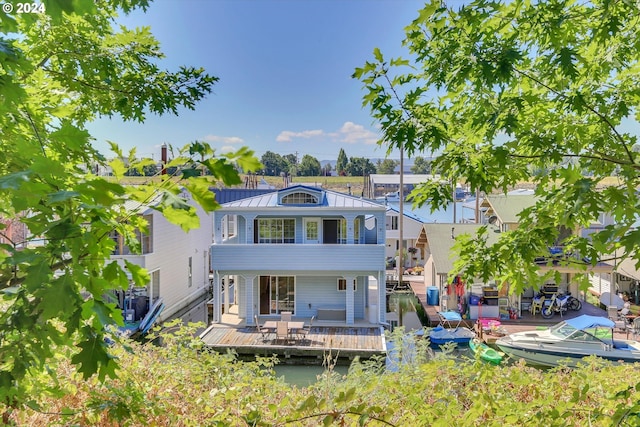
{"x": 177, "y": 261}
{"x": 300, "y": 249}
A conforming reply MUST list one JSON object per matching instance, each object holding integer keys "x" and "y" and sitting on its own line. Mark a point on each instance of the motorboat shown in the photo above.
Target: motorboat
{"x": 568, "y": 342}
{"x": 393, "y": 196}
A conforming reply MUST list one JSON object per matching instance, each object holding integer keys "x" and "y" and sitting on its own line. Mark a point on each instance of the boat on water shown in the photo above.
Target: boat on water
{"x": 568, "y": 342}
{"x": 459, "y": 335}
{"x": 393, "y": 197}
{"x": 486, "y": 353}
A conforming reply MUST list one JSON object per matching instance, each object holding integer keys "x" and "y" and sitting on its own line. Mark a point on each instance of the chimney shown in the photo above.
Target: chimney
{"x": 163, "y": 158}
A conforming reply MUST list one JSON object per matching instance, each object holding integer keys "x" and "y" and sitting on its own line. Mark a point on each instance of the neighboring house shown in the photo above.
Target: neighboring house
{"x": 436, "y": 242}
{"x": 411, "y": 227}
{"x": 177, "y": 261}
{"x": 300, "y": 249}
{"x": 624, "y": 278}
{"x": 501, "y": 213}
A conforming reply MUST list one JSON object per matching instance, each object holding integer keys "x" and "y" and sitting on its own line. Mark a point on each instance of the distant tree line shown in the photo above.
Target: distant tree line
{"x": 276, "y": 165}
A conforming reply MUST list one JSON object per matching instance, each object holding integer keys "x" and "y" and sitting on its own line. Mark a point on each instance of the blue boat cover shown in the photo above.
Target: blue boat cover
{"x": 585, "y": 322}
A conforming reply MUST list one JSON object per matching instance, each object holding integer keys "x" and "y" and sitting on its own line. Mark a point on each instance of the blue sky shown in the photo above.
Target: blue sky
{"x": 285, "y": 71}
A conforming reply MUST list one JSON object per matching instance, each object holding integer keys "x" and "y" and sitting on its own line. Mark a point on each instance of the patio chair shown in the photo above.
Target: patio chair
{"x": 620, "y": 321}
{"x": 450, "y": 319}
{"x": 302, "y": 333}
{"x": 285, "y": 316}
{"x": 635, "y": 328}
{"x": 282, "y": 331}
{"x": 263, "y": 331}
{"x": 536, "y": 304}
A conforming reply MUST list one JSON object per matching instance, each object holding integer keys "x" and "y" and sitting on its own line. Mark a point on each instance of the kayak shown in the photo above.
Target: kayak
{"x": 487, "y": 353}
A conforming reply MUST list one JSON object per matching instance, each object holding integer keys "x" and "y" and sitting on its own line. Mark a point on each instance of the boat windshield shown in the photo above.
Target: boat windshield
{"x": 568, "y": 332}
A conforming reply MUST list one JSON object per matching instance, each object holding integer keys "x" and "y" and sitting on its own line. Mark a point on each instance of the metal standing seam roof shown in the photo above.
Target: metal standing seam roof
{"x": 328, "y": 198}
{"x": 407, "y": 214}
{"x": 440, "y": 242}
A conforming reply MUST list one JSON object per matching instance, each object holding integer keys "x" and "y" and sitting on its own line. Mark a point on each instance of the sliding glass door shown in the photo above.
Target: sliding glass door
{"x": 277, "y": 294}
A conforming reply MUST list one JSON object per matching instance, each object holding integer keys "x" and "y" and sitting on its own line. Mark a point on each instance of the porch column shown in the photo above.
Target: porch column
{"x": 382, "y": 296}
{"x": 217, "y": 298}
{"x": 380, "y": 227}
{"x": 227, "y": 295}
{"x": 217, "y": 227}
{"x": 349, "y": 299}
{"x": 350, "y": 232}
{"x": 248, "y": 219}
{"x": 249, "y": 309}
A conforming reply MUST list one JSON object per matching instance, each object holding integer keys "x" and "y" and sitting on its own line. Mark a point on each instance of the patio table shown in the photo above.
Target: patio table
{"x": 292, "y": 326}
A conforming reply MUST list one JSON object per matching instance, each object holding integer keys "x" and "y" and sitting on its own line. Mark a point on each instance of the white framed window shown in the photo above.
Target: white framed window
{"x": 300, "y": 198}
{"x": 276, "y": 230}
{"x": 342, "y": 285}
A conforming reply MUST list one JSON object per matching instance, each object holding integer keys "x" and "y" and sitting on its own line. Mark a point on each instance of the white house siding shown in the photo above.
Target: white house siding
{"x": 172, "y": 248}
{"x": 601, "y": 283}
{"x": 297, "y": 257}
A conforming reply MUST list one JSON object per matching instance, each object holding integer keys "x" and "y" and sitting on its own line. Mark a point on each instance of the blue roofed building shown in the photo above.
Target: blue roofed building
{"x": 300, "y": 249}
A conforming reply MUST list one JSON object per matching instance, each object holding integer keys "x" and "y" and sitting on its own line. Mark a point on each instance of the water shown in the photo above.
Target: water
{"x": 465, "y": 212}
{"x": 305, "y": 375}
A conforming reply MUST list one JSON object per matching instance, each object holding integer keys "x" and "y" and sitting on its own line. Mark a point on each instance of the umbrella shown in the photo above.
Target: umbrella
{"x": 609, "y": 299}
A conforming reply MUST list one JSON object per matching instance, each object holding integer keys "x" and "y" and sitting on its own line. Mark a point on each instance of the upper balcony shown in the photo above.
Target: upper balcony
{"x": 298, "y": 257}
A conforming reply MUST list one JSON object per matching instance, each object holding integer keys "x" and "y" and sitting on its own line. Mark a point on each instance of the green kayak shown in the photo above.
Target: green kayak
{"x": 487, "y": 353}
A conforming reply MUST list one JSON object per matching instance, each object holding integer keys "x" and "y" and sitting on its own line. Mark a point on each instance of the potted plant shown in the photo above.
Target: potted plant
{"x": 413, "y": 252}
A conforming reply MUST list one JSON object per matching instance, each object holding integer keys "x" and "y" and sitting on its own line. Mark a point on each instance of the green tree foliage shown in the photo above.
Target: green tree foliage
{"x": 58, "y": 71}
{"x": 386, "y": 166}
{"x": 179, "y": 383}
{"x": 421, "y": 166}
{"x": 326, "y": 169}
{"x": 273, "y": 164}
{"x": 500, "y": 89}
{"x": 291, "y": 161}
{"x": 360, "y": 166}
{"x": 309, "y": 166}
{"x": 341, "y": 164}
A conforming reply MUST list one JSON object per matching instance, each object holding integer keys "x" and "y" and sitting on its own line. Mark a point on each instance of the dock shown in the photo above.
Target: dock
{"x": 340, "y": 342}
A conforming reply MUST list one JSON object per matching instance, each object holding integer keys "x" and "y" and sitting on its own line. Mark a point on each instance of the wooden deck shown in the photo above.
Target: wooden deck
{"x": 342, "y": 342}
{"x": 527, "y": 322}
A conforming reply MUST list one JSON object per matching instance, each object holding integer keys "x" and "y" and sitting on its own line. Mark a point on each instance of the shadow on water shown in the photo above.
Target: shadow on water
{"x": 404, "y": 302}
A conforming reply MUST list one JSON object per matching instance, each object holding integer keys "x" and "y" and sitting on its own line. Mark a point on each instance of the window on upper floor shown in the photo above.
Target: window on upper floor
{"x": 145, "y": 239}
{"x": 393, "y": 223}
{"x": 276, "y": 230}
{"x": 300, "y": 198}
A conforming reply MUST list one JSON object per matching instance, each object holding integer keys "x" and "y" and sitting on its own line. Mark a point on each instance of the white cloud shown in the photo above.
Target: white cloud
{"x": 224, "y": 139}
{"x": 288, "y": 136}
{"x": 349, "y": 133}
{"x": 352, "y": 133}
{"x": 227, "y": 149}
